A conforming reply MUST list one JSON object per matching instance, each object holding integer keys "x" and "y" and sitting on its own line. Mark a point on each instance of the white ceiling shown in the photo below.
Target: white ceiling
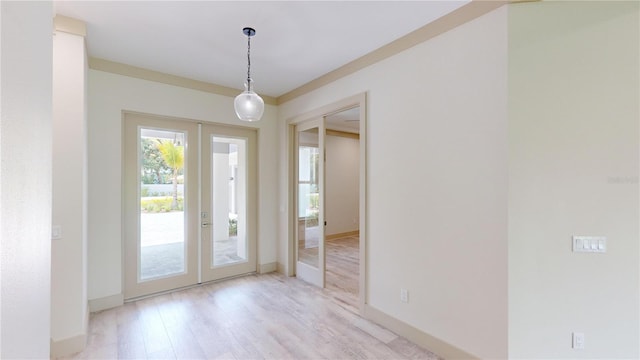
{"x": 295, "y": 42}
{"x": 347, "y": 120}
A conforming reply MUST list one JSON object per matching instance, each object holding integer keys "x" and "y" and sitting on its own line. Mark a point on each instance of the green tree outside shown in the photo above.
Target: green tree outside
{"x": 173, "y": 156}
{"x": 154, "y": 169}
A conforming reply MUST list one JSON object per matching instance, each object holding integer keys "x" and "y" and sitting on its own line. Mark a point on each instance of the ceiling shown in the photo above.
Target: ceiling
{"x": 347, "y": 120}
{"x": 295, "y": 42}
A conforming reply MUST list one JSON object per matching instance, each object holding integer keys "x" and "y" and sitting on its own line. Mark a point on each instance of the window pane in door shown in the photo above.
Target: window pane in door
{"x": 229, "y": 199}
{"x": 162, "y": 217}
{"x": 308, "y": 197}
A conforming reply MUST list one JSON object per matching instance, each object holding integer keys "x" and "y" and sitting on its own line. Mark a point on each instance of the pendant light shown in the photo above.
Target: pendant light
{"x": 249, "y": 105}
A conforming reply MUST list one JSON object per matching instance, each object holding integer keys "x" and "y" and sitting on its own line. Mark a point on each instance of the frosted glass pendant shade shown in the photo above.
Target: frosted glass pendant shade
{"x": 249, "y": 106}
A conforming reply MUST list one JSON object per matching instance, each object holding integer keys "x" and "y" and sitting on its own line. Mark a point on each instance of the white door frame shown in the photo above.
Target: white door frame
{"x": 345, "y": 104}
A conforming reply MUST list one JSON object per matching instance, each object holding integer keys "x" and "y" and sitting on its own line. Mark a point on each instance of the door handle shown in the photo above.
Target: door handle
{"x": 205, "y": 224}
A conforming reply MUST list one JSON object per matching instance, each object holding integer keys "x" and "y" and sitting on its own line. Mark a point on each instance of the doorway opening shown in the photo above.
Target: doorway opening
{"x": 342, "y": 206}
{"x": 327, "y": 237}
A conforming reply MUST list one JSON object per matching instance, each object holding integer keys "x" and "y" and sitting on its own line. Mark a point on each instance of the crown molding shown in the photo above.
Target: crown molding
{"x": 69, "y": 25}
{"x": 156, "y": 76}
{"x": 462, "y": 15}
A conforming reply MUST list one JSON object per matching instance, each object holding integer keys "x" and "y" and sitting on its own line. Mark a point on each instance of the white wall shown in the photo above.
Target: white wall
{"x": 341, "y": 188}
{"x": 439, "y": 229}
{"x": 573, "y": 170}
{"x": 25, "y": 179}
{"x": 69, "y": 254}
{"x": 109, "y": 95}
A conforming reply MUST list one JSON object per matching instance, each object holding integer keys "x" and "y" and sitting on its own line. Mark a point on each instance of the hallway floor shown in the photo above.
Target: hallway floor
{"x": 254, "y": 317}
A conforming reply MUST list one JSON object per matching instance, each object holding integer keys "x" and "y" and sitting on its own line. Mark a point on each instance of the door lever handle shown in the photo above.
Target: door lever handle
{"x": 205, "y": 224}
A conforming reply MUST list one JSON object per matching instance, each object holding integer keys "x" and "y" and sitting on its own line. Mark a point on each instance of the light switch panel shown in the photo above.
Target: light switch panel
{"x": 591, "y": 244}
{"x": 56, "y": 232}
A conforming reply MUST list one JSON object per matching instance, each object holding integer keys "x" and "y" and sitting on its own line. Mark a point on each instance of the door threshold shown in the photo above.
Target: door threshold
{"x": 134, "y": 299}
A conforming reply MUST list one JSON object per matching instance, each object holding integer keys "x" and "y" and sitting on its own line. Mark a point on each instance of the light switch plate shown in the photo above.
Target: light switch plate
{"x": 591, "y": 244}
{"x": 577, "y": 340}
{"x": 56, "y": 232}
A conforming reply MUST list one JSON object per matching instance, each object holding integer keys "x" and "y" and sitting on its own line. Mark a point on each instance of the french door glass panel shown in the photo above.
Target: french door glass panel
{"x": 160, "y": 201}
{"x": 229, "y": 198}
{"x": 162, "y": 217}
{"x": 308, "y": 198}
{"x": 310, "y": 201}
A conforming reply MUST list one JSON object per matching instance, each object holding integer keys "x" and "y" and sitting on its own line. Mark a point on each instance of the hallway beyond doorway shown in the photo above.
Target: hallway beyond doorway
{"x": 343, "y": 271}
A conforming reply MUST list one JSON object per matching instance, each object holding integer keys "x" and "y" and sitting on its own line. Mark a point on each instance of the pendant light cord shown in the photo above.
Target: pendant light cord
{"x": 249, "y": 63}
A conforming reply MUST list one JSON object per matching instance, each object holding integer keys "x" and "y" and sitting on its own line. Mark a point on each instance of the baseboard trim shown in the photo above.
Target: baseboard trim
{"x": 106, "y": 302}
{"x": 441, "y": 348}
{"x": 68, "y": 346}
{"x": 281, "y": 268}
{"x": 72, "y": 345}
{"x": 267, "y": 268}
{"x": 342, "y": 235}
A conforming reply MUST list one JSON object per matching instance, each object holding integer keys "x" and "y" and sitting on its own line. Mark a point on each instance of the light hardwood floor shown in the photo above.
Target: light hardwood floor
{"x": 342, "y": 271}
{"x": 267, "y": 316}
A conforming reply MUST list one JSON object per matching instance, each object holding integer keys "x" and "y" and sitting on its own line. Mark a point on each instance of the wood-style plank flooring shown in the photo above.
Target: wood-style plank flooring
{"x": 342, "y": 271}
{"x": 267, "y": 316}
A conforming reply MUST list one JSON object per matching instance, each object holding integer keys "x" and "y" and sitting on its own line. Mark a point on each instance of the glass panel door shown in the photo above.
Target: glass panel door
{"x": 228, "y": 196}
{"x": 310, "y": 202}
{"x": 160, "y": 204}
{"x": 162, "y": 236}
{"x": 229, "y": 193}
{"x": 190, "y": 203}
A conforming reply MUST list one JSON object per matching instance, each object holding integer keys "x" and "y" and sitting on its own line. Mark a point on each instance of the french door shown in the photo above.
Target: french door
{"x": 189, "y": 199}
{"x": 310, "y": 240}
{"x": 229, "y": 202}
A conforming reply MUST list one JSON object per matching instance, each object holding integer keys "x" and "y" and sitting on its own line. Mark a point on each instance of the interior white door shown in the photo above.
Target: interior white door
{"x": 229, "y": 201}
{"x": 310, "y": 223}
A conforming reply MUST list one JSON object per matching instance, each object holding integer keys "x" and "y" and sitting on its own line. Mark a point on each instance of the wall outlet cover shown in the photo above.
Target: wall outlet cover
{"x": 404, "y": 295}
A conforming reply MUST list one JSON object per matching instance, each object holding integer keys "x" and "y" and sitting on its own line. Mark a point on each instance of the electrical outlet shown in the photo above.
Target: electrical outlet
{"x": 404, "y": 295}
{"x": 578, "y": 340}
